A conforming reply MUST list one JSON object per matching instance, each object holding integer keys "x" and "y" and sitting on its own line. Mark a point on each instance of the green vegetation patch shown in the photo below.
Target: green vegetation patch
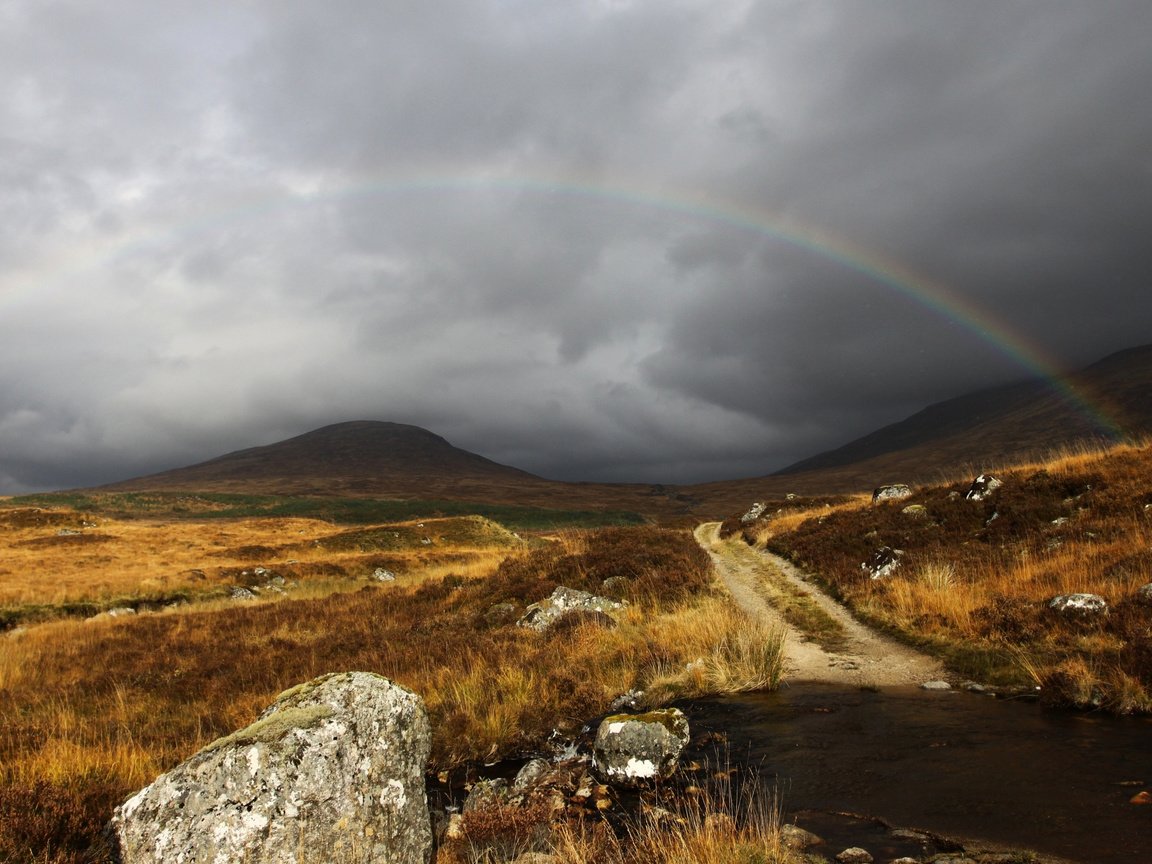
{"x": 344, "y": 511}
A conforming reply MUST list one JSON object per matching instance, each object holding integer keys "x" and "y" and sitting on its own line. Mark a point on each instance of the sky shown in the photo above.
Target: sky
{"x": 658, "y": 241}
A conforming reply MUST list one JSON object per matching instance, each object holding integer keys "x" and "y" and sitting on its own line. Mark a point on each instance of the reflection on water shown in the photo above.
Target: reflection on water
{"x": 953, "y": 763}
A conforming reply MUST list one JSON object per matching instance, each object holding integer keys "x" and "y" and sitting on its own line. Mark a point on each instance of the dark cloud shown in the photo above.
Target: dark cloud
{"x": 618, "y": 240}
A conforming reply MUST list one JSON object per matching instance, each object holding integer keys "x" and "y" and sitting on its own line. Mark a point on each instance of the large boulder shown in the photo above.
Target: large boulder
{"x": 636, "y": 750}
{"x": 891, "y": 492}
{"x": 565, "y": 601}
{"x": 1079, "y": 604}
{"x": 333, "y": 770}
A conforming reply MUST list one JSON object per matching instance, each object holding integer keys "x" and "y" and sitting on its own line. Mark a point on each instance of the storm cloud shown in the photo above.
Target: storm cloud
{"x": 652, "y": 240}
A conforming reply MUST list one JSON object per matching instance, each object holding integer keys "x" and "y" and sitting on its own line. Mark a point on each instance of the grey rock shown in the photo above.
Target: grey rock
{"x": 528, "y": 777}
{"x": 1144, "y": 594}
{"x": 754, "y": 512}
{"x": 935, "y": 685}
{"x": 1082, "y": 604}
{"x": 884, "y": 562}
{"x": 891, "y": 492}
{"x": 542, "y": 615}
{"x": 796, "y": 838}
{"x": 616, "y": 585}
{"x": 982, "y": 487}
{"x": 120, "y": 612}
{"x": 630, "y": 701}
{"x": 500, "y": 613}
{"x": 854, "y": 855}
{"x": 332, "y": 770}
{"x": 636, "y": 750}
{"x": 487, "y": 793}
{"x": 241, "y": 593}
{"x": 381, "y": 574}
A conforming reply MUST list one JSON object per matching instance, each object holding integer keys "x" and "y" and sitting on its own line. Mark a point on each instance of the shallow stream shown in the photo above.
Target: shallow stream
{"x": 953, "y": 763}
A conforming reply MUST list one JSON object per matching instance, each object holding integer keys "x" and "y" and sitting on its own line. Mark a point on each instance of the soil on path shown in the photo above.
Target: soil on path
{"x": 865, "y": 658}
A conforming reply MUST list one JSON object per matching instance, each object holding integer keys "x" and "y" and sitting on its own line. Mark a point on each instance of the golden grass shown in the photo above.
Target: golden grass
{"x": 142, "y": 558}
{"x": 978, "y": 576}
{"x": 92, "y": 710}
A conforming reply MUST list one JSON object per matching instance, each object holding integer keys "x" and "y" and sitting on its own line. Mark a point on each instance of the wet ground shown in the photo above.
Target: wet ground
{"x": 955, "y": 764}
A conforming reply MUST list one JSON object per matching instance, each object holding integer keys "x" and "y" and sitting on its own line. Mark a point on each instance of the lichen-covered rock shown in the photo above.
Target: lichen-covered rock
{"x": 796, "y": 838}
{"x": 1144, "y": 594}
{"x": 636, "y": 750}
{"x": 891, "y": 492}
{"x": 915, "y": 511}
{"x": 1084, "y": 604}
{"x": 982, "y": 487}
{"x": 854, "y": 855}
{"x": 935, "y": 685}
{"x": 542, "y": 615}
{"x": 884, "y": 562}
{"x": 754, "y": 512}
{"x": 332, "y": 770}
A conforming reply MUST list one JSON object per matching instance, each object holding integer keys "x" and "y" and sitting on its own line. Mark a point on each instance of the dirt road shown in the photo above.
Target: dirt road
{"x": 862, "y": 656}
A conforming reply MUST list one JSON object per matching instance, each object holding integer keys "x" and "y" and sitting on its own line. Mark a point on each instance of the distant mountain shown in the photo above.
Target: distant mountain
{"x": 378, "y": 459}
{"x": 1107, "y": 401}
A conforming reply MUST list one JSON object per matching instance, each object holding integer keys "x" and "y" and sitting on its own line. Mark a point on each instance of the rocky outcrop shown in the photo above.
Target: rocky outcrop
{"x": 892, "y": 492}
{"x": 1079, "y": 604}
{"x": 332, "y": 770}
{"x": 884, "y": 562}
{"x": 982, "y": 487}
{"x": 563, "y": 601}
{"x": 635, "y": 750}
{"x": 754, "y": 512}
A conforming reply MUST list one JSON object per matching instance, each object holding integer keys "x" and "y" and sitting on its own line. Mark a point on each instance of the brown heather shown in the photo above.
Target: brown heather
{"x": 976, "y": 576}
{"x": 92, "y": 710}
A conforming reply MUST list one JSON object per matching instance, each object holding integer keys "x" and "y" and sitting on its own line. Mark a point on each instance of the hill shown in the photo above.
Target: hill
{"x": 373, "y": 459}
{"x": 1104, "y": 402}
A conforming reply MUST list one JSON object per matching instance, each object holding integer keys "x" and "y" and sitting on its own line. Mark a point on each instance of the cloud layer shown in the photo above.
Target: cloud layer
{"x": 650, "y": 240}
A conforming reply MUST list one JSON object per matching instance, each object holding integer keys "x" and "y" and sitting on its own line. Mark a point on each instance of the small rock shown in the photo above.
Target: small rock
{"x": 1141, "y": 798}
{"x": 635, "y": 750}
{"x": 854, "y": 855}
{"x": 627, "y": 701}
{"x": 884, "y": 562}
{"x": 796, "y": 838}
{"x": 892, "y": 492}
{"x": 500, "y": 613}
{"x": 487, "y": 793}
{"x": 1083, "y": 604}
{"x": 1144, "y": 594}
{"x": 1060, "y": 520}
{"x": 754, "y": 512}
{"x": 120, "y": 611}
{"x": 616, "y": 585}
{"x": 530, "y": 775}
{"x": 982, "y": 487}
{"x": 67, "y": 532}
{"x": 935, "y": 685}
{"x": 382, "y": 575}
{"x": 542, "y": 615}
{"x": 915, "y": 511}
{"x": 240, "y": 593}
{"x": 905, "y": 860}
{"x": 973, "y": 687}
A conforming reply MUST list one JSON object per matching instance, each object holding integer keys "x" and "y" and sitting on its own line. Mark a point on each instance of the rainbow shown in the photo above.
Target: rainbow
{"x": 881, "y": 269}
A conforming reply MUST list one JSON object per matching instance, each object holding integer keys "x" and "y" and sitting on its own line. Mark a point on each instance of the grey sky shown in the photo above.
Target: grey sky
{"x": 552, "y": 231}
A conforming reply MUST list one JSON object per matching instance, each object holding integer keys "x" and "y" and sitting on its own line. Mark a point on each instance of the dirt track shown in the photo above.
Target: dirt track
{"x": 867, "y": 658}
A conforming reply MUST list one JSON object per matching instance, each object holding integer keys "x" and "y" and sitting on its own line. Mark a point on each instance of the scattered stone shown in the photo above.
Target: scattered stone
{"x": 616, "y": 585}
{"x": 635, "y": 750}
{"x": 893, "y": 492}
{"x": 796, "y": 838}
{"x": 935, "y": 685}
{"x": 629, "y": 701}
{"x": 884, "y": 562}
{"x": 239, "y": 592}
{"x": 995, "y": 515}
{"x": 1144, "y": 594}
{"x": 261, "y": 571}
{"x": 905, "y": 860}
{"x": 754, "y": 512}
{"x": 333, "y": 768}
{"x": 67, "y": 532}
{"x": 854, "y": 855}
{"x": 791, "y": 496}
{"x": 542, "y": 615}
{"x": 500, "y": 613}
{"x": 120, "y": 611}
{"x": 1083, "y": 604}
{"x": 915, "y": 511}
{"x": 973, "y": 687}
{"x": 487, "y": 793}
{"x": 982, "y": 487}
{"x": 1060, "y": 520}
{"x": 380, "y": 574}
